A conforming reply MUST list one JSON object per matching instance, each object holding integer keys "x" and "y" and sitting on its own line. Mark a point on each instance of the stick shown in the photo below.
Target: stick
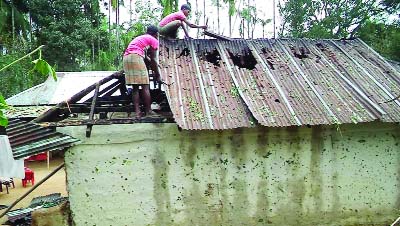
{"x": 32, "y": 189}
{"x": 394, "y": 223}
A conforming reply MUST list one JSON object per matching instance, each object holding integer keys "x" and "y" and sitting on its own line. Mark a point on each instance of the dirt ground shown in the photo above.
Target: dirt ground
{"x": 55, "y": 184}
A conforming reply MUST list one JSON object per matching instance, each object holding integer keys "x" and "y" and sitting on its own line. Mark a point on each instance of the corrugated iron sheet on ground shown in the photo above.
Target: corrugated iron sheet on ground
{"x": 228, "y": 84}
{"x": 27, "y": 139}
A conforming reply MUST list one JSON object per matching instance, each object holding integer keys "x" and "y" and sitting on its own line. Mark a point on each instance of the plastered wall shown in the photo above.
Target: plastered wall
{"x": 153, "y": 174}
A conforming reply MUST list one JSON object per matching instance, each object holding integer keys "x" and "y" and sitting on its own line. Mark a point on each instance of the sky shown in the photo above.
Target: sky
{"x": 264, "y": 11}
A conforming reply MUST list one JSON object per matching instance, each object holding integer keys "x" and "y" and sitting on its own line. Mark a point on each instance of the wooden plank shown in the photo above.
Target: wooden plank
{"x": 98, "y": 109}
{"x": 217, "y": 36}
{"x": 108, "y": 121}
{"x": 110, "y": 87}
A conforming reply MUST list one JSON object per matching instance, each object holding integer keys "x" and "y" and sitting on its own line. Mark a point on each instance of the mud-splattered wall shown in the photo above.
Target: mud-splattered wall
{"x": 153, "y": 174}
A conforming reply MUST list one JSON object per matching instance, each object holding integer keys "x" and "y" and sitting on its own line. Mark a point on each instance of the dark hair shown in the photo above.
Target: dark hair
{"x": 152, "y": 30}
{"x": 185, "y": 6}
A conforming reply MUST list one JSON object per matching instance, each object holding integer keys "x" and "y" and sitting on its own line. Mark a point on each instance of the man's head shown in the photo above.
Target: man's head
{"x": 152, "y": 30}
{"x": 185, "y": 9}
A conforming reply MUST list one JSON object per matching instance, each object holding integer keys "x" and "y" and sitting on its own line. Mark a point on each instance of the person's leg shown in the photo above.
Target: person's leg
{"x": 136, "y": 99}
{"x": 170, "y": 30}
{"x": 146, "y": 98}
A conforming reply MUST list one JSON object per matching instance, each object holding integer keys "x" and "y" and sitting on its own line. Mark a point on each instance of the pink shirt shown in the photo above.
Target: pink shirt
{"x": 171, "y": 17}
{"x": 140, "y": 43}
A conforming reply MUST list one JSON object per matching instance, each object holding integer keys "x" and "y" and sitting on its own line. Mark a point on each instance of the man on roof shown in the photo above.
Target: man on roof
{"x": 136, "y": 73}
{"x": 170, "y": 24}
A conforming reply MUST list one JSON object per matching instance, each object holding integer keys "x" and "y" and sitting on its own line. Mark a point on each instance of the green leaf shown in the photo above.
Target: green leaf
{"x": 3, "y": 104}
{"x": 44, "y": 68}
{"x": 3, "y": 119}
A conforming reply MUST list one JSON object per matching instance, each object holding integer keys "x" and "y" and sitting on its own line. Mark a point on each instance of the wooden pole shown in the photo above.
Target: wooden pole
{"x": 48, "y": 160}
{"x": 32, "y": 189}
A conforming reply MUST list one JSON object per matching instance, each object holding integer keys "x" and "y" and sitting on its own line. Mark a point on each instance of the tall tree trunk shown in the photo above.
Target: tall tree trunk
{"x": 117, "y": 28}
{"x": 248, "y": 21}
{"x": 13, "y": 21}
{"x": 30, "y": 25}
{"x": 219, "y": 31}
{"x": 204, "y": 16}
{"x": 274, "y": 6}
{"x": 109, "y": 27}
{"x": 230, "y": 25}
{"x": 130, "y": 11}
{"x": 197, "y": 18}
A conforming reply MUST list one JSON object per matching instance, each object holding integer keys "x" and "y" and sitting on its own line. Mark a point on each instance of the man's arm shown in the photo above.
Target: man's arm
{"x": 154, "y": 63}
{"x": 194, "y": 25}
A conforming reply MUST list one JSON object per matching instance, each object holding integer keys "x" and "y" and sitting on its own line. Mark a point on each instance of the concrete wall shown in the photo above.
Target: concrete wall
{"x": 153, "y": 174}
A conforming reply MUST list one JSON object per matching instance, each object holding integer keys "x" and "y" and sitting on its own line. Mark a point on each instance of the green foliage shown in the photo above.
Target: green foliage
{"x": 231, "y": 5}
{"x": 19, "y": 77}
{"x": 67, "y": 28}
{"x": 12, "y": 14}
{"x": 15, "y": 73}
{"x": 3, "y": 106}
{"x": 331, "y": 18}
{"x": 384, "y": 38}
{"x": 169, "y": 6}
{"x": 41, "y": 66}
{"x": 44, "y": 68}
{"x": 345, "y": 19}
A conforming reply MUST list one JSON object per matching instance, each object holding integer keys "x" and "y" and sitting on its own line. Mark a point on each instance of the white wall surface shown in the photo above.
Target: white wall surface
{"x": 153, "y": 174}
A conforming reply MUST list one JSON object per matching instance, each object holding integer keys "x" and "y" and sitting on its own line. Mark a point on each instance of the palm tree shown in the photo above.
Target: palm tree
{"x": 13, "y": 20}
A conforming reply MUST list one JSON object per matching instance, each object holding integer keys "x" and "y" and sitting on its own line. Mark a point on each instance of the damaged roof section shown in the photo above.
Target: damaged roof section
{"x": 217, "y": 84}
{"x": 201, "y": 92}
{"x": 27, "y": 138}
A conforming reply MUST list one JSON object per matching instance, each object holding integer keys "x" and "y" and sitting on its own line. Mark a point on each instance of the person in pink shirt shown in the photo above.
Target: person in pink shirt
{"x": 170, "y": 24}
{"x": 136, "y": 73}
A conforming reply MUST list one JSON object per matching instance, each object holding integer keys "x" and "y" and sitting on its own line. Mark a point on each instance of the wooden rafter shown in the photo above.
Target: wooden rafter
{"x": 91, "y": 114}
{"x": 52, "y": 114}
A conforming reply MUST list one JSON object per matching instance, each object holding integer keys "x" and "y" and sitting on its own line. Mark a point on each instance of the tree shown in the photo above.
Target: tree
{"x": 12, "y": 21}
{"x": 169, "y": 6}
{"x": 384, "y": 38}
{"x": 327, "y": 18}
{"x": 231, "y": 12}
{"x": 66, "y": 28}
{"x": 40, "y": 66}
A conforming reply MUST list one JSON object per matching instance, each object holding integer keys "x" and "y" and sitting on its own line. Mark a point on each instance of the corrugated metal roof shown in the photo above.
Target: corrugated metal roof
{"x": 214, "y": 84}
{"x": 202, "y": 95}
{"x": 53, "y": 92}
{"x": 27, "y": 138}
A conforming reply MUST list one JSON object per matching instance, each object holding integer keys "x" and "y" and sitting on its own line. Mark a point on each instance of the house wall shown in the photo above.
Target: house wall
{"x": 154, "y": 174}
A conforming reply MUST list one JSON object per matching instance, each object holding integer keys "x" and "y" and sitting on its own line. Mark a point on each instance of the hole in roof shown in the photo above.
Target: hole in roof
{"x": 301, "y": 52}
{"x": 167, "y": 50}
{"x": 321, "y": 46}
{"x": 264, "y": 50}
{"x": 213, "y": 57}
{"x": 270, "y": 64}
{"x": 244, "y": 61}
{"x": 268, "y": 58}
{"x": 185, "y": 52}
{"x": 277, "y": 101}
